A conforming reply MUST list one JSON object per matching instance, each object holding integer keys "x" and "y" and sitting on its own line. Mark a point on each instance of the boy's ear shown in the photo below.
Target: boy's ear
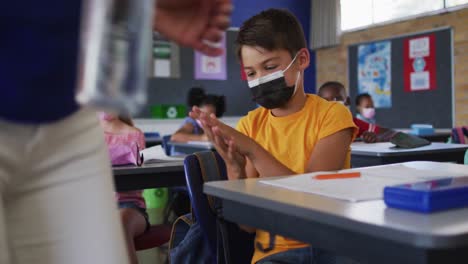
{"x": 303, "y": 58}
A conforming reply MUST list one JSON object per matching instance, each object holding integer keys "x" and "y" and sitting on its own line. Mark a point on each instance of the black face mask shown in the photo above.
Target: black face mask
{"x": 271, "y": 91}
{"x": 272, "y": 94}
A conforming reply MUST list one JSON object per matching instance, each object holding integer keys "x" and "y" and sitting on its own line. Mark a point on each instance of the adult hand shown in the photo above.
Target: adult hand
{"x": 194, "y": 23}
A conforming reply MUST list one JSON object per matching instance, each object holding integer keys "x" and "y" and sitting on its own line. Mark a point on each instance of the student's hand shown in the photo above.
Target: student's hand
{"x": 244, "y": 144}
{"x": 193, "y": 22}
{"x": 369, "y": 137}
{"x": 235, "y": 161}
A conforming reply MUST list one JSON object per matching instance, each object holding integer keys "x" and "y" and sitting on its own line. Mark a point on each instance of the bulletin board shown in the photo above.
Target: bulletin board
{"x": 429, "y": 106}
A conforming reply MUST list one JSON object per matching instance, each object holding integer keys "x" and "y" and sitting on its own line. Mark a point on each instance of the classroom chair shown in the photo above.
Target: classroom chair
{"x": 165, "y": 145}
{"x": 156, "y": 236}
{"x": 209, "y": 166}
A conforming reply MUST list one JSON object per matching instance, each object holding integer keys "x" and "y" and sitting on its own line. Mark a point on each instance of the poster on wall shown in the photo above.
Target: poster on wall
{"x": 166, "y": 58}
{"x": 419, "y": 63}
{"x": 211, "y": 68}
{"x": 374, "y": 72}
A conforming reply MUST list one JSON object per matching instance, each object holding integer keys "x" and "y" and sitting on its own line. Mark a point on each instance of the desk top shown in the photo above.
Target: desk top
{"x": 438, "y": 230}
{"x": 386, "y": 149}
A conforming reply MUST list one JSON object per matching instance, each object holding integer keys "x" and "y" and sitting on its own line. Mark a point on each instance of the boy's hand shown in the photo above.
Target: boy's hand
{"x": 235, "y": 161}
{"x": 193, "y": 22}
{"x": 369, "y": 137}
{"x": 244, "y": 144}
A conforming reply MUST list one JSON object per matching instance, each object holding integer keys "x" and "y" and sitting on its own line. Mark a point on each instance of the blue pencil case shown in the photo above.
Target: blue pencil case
{"x": 428, "y": 196}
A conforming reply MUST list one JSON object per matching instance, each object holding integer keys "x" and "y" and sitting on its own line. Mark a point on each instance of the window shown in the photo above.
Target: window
{"x": 452, "y": 3}
{"x": 362, "y": 13}
{"x": 356, "y": 13}
{"x": 386, "y": 10}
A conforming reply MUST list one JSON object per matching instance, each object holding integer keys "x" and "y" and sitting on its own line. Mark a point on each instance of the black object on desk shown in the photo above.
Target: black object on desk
{"x": 149, "y": 175}
{"x": 153, "y": 139}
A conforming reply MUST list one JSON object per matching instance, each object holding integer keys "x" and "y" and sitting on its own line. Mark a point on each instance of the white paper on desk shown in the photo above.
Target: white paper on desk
{"x": 156, "y": 153}
{"x": 372, "y": 181}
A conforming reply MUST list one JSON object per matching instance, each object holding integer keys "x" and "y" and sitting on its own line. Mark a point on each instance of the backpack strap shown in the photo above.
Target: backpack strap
{"x": 210, "y": 171}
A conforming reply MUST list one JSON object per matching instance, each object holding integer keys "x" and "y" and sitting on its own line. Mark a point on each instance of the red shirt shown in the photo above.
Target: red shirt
{"x": 364, "y": 126}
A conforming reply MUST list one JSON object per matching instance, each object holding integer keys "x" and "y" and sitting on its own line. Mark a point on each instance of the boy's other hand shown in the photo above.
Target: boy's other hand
{"x": 194, "y": 23}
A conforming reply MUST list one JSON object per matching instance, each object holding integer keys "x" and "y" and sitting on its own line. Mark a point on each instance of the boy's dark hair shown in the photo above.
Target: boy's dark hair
{"x": 195, "y": 96}
{"x": 332, "y": 84}
{"x": 272, "y": 29}
{"x": 218, "y": 101}
{"x": 360, "y": 97}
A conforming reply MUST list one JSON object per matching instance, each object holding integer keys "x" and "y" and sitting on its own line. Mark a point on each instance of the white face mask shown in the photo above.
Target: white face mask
{"x": 368, "y": 113}
{"x": 272, "y": 76}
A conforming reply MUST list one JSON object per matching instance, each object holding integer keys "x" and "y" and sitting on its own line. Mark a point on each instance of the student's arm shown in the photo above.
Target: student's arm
{"x": 330, "y": 152}
{"x": 185, "y": 133}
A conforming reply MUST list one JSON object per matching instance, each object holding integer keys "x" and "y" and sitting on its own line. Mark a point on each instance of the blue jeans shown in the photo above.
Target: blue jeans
{"x": 307, "y": 255}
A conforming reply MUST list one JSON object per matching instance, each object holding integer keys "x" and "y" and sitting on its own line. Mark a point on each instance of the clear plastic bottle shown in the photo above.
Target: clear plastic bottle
{"x": 114, "y": 54}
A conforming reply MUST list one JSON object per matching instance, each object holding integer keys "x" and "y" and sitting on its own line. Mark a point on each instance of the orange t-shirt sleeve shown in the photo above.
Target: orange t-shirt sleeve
{"x": 242, "y": 126}
{"x": 336, "y": 118}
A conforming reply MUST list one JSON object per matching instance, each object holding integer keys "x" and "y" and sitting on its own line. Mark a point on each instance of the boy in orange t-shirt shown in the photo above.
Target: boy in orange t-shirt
{"x": 291, "y": 133}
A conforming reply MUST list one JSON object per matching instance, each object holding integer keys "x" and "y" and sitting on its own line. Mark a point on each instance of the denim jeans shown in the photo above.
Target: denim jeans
{"x": 307, "y": 255}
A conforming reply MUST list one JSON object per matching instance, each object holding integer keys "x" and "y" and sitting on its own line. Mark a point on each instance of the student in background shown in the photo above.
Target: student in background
{"x": 208, "y": 103}
{"x": 120, "y": 131}
{"x": 291, "y": 133}
{"x": 370, "y": 133}
{"x": 365, "y": 108}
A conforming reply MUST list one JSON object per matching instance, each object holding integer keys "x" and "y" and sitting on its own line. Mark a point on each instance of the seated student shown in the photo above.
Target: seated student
{"x": 365, "y": 108}
{"x": 370, "y": 133}
{"x": 292, "y": 132}
{"x": 120, "y": 130}
{"x": 208, "y": 103}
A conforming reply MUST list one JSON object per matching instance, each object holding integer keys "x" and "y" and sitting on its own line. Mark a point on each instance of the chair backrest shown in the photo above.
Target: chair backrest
{"x": 198, "y": 168}
{"x": 207, "y": 166}
{"x": 165, "y": 145}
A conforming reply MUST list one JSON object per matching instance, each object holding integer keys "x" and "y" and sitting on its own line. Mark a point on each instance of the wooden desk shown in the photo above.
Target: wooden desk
{"x": 363, "y": 154}
{"x": 366, "y": 231}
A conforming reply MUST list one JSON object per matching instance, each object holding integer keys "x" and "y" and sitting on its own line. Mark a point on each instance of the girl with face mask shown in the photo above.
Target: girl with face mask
{"x": 365, "y": 108}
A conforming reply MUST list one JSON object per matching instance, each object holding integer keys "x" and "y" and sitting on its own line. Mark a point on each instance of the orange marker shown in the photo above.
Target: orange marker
{"x": 335, "y": 176}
